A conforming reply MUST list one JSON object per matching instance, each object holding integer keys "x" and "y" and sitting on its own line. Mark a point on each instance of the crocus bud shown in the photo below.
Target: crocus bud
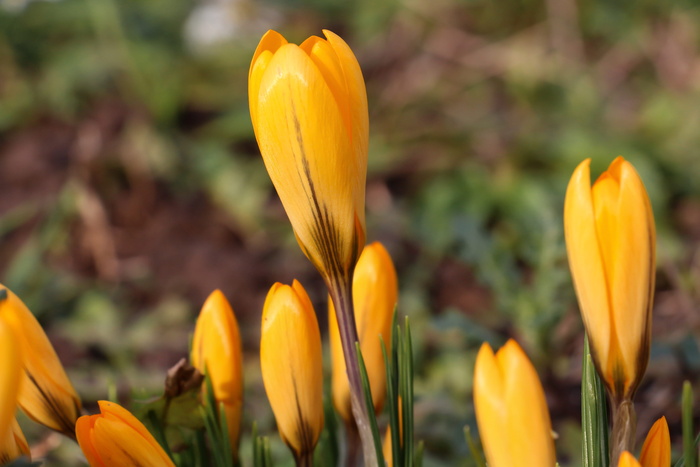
{"x": 13, "y": 444}
{"x": 610, "y": 241}
{"x": 116, "y": 438}
{"x": 10, "y": 372}
{"x": 511, "y": 410}
{"x": 628, "y": 460}
{"x": 374, "y": 292}
{"x": 46, "y": 394}
{"x": 216, "y": 349}
{"x": 291, "y": 362}
{"x": 656, "y": 451}
{"x": 308, "y": 106}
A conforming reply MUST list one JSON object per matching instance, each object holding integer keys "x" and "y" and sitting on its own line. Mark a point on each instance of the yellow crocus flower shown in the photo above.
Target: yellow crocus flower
{"x": 656, "y": 451}
{"x": 10, "y": 372}
{"x": 216, "y": 348}
{"x": 628, "y": 460}
{"x": 308, "y": 106}
{"x": 611, "y": 244}
{"x": 115, "y": 438}
{"x": 46, "y": 394}
{"x": 14, "y": 444}
{"x": 291, "y": 363}
{"x": 511, "y": 410}
{"x": 374, "y": 292}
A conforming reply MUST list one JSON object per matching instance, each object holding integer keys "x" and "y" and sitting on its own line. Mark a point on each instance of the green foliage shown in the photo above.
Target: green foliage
{"x": 400, "y": 400}
{"x": 689, "y": 443}
{"x": 594, "y": 414}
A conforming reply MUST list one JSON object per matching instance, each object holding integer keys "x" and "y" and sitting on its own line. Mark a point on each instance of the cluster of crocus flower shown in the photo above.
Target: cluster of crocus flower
{"x": 309, "y": 111}
{"x": 290, "y": 350}
{"x": 308, "y": 106}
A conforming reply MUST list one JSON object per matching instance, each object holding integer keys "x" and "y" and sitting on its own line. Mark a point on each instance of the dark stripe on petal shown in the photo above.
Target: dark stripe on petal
{"x": 53, "y": 405}
{"x": 325, "y": 234}
{"x": 304, "y": 431}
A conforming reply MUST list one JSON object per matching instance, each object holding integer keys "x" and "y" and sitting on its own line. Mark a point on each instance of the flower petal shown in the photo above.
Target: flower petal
{"x": 309, "y": 157}
{"x": 586, "y": 263}
{"x": 291, "y": 362}
{"x": 656, "y": 451}
{"x": 46, "y": 394}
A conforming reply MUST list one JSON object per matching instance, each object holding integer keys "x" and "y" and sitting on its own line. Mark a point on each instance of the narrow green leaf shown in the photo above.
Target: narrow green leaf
{"x": 680, "y": 462}
{"x": 688, "y": 434}
{"x": 418, "y": 457}
{"x": 477, "y": 455}
{"x": 225, "y": 440}
{"x": 393, "y": 402}
{"x": 406, "y": 364}
{"x": 594, "y": 414}
{"x": 200, "y": 446}
{"x": 369, "y": 404}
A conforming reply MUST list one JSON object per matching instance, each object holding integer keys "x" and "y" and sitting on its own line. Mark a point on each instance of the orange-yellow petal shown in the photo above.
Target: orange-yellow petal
{"x": 216, "y": 348}
{"x": 291, "y": 363}
{"x": 10, "y": 372}
{"x": 627, "y": 460}
{"x": 308, "y": 106}
{"x": 46, "y": 394}
{"x": 116, "y": 438}
{"x": 511, "y": 409}
{"x": 610, "y": 239}
{"x": 656, "y": 451}
{"x": 13, "y": 444}
{"x": 585, "y": 260}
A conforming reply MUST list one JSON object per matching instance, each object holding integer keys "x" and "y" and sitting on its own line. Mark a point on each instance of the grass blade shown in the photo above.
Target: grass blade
{"x": 594, "y": 414}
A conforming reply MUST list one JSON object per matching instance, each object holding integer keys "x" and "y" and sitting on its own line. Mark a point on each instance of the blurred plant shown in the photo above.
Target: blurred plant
{"x": 611, "y": 243}
{"x": 292, "y": 367}
{"x": 308, "y": 106}
{"x": 116, "y": 438}
{"x": 216, "y": 351}
{"x": 511, "y": 409}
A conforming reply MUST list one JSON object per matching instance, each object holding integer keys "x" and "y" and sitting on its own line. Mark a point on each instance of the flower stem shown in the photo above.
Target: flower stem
{"x": 304, "y": 460}
{"x": 624, "y": 426}
{"x": 340, "y": 290}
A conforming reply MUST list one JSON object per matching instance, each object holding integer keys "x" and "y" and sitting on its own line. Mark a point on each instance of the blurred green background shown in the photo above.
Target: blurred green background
{"x": 132, "y": 185}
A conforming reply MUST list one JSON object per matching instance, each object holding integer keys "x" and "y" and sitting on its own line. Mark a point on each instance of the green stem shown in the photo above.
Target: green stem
{"x": 340, "y": 290}
{"x": 624, "y": 426}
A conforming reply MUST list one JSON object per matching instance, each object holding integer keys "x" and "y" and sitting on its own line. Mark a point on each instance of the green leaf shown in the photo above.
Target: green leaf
{"x": 369, "y": 404}
{"x": 594, "y": 414}
{"x": 406, "y": 392}
{"x": 477, "y": 455}
{"x": 216, "y": 427}
{"x": 688, "y": 434}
